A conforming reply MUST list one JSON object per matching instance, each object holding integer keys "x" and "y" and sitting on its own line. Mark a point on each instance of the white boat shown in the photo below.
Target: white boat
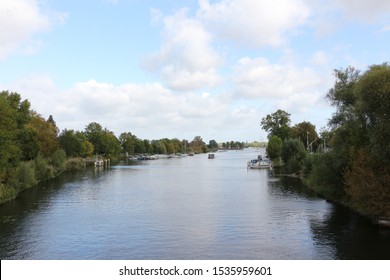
{"x": 259, "y": 163}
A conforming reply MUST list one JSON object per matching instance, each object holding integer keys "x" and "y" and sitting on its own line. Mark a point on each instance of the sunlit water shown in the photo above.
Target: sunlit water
{"x": 185, "y": 208}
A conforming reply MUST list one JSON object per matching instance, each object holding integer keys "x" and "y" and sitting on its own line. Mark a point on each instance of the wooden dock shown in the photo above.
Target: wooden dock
{"x": 98, "y": 162}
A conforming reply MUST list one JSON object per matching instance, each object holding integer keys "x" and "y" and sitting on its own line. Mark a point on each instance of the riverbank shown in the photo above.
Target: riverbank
{"x": 29, "y": 174}
{"x": 334, "y": 193}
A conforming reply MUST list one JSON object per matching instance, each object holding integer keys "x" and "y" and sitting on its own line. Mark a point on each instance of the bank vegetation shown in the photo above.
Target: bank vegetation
{"x": 349, "y": 161}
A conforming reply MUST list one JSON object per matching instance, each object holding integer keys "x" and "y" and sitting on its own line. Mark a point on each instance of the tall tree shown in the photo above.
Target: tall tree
{"x": 274, "y": 147}
{"x": 14, "y": 115}
{"x": 306, "y": 132}
{"x": 75, "y": 143}
{"x": 213, "y": 145}
{"x": 277, "y": 124}
{"x": 46, "y": 133}
{"x": 373, "y": 110}
{"x": 198, "y": 146}
{"x": 127, "y": 142}
{"x": 103, "y": 140}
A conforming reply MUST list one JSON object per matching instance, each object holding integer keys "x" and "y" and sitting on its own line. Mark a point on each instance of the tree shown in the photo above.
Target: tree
{"x": 159, "y": 147}
{"x": 293, "y": 154}
{"x": 306, "y": 132}
{"x": 198, "y": 146}
{"x": 75, "y": 143}
{"x": 46, "y": 134}
{"x": 277, "y": 124}
{"x": 127, "y": 142}
{"x": 213, "y": 145}
{"x": 274, "y": 147}
{"x": 14, "y": 115}
{"x": 373, "y": 109}
{"x": 103, "y": 140}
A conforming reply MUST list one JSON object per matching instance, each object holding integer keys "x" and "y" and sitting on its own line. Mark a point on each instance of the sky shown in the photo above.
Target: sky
{"x": 180, "y": 69}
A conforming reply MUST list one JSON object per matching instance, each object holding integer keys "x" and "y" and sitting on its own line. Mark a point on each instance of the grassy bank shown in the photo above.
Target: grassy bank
{"x": 29, "y": 173}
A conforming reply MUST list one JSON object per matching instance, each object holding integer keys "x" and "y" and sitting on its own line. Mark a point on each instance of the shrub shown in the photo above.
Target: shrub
{"x": 368, "y": 185}
{"x": 58, "y": 161}
{"x": 322, "y": 173}
{"x": 6, "y": 193}
{"x": 293, "y": 154}
{"x": 75, "y": 164}
{"x": 24, "y": 176}
{"x": 43, "y": 171}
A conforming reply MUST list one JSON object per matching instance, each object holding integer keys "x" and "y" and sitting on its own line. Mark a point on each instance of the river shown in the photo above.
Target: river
{"x": 183, "y": 208}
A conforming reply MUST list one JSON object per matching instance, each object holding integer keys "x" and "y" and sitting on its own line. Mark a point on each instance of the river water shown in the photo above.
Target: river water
{"x": 183, "y": 208}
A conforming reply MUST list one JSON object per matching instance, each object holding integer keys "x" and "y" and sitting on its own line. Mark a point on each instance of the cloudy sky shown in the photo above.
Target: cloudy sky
{"x": 178, "y": 69}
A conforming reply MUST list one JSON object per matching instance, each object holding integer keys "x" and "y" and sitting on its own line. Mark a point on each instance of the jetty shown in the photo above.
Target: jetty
{"x": 97, "y": 161}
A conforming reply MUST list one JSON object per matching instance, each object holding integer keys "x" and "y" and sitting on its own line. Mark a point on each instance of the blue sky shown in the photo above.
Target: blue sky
{"x": 180, "y": 69}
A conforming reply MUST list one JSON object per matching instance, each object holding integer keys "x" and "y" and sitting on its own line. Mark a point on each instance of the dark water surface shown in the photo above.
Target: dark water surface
{"x": 186, "y": 208}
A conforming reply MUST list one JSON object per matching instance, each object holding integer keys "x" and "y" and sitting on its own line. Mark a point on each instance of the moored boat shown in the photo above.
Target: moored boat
{"x": 259, "y": 163}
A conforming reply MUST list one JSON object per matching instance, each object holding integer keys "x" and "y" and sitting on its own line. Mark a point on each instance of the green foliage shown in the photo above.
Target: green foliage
{"x": 323, "y": 173}
{"x": 74, "y": 164}
{"x": 306, "y": 132}
{"x": 43, "y": 171}
{"x": 358, "y": 163}
{"x": 29, "y": 144}
{"x": 46, "y": 134}
{"x": 58, "y": 160}
{"x": 127, "y": 142}
{"x": 103, "y": 140}
{"x": 373, "y": 107}
{"x": 277, "y": 124}
{"x": 198, "y": 146}
{"x": 75, "y": 143}
{"x": 293, "y": 154}
{"x": 14, "y": 115}
{"x": 7, "y": 193}
{"x": 159, "y": 147}
{"x": 368, "y": 184}
{"x": 274, "y": 148}
{"x": 24, "y": 176}
{"x": 213, "y": 145}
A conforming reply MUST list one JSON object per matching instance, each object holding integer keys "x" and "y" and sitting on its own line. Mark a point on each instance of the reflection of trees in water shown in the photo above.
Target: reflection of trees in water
{"x": 290, "y": 187}
{"x": 341, "y": 233}
{"x": 16, "y": 215}
{"x": 351, "y": 236}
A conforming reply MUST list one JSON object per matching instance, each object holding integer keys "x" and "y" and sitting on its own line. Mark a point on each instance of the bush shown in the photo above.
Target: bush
{"x": 368, "y": 185}
{"x": 6, "y": 193}
{"x": 24, "y": 176}
{"x": 293, "y": 154}
{"x": 43, "y": 171}
{"x": 322, "y": 173}
{"x": 75, "y": 164}
{"x": 58, "y": 161}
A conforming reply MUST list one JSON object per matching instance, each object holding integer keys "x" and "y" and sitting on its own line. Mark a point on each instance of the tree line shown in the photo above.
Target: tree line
{"x": 32, "y": 149}
{"x": 349, "y": 161}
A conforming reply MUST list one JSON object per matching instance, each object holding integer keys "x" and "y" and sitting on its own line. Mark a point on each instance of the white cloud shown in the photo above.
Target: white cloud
{"x": 366, "y": 10}
{"x": 287, "y": 86}
{"x": 321, "y": 59}
{"x": 257, "y": 78}
{"x": 254, "y": 23}
{"x": 186, "y": 60}
{"x": 19, "y": 21}
{"x": 147, "y": 110}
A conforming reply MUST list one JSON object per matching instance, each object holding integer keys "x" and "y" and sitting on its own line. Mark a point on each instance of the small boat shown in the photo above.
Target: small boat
{"x": 383, "y": 223}
{"x": 211, "y": 156}
{"x": 259, "y": 163}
